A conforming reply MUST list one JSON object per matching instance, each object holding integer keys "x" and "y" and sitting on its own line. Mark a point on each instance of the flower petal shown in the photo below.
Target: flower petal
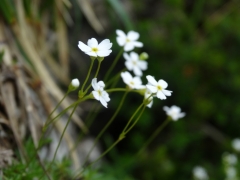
{"x": 92, "y": 43}
{"x": 150, "y": 104}
{"x": 126, "y": 57}
{"x": 103, "y": 102}
{"x": 151, "y": 88}
{"x": 137, "y": 80}
{"x": 132, "y": 35}
{"x": 137, "y": 44}
{"x": 101, "y": 84}
{"x": 134, "y": 56}
{"x": 83, "y": 47}
{"x": 129, "y": 65}
{"x": 129, "y": 46}
{"x": 127, "y": 77}
{"x": 142, "y": 65}
{"x": 167, "y": 93}
{"x": 151, "y": 80}
{"x": 94, "y": 84}
{"x": 160, "y": 95}
{"x": 91, "y": 54}
{"x": 165, "y": 108}
{"x": 162, "y": 83}
{"x": 96, "y": 95}
{"x": 105, "y": 45}
{"x": 104, "y": 53}
{"x": 121, "y": 41}
{"x": 121, "y": 33}
{"x": 105, "y": 96}
{"x": 137, "y": 71}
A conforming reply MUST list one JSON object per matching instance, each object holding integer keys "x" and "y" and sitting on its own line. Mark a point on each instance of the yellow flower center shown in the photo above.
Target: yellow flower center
{"x": 159, "y": 87}
{"x": 132, "y": 83}
{"x": 100, "y": 93}
{"x": 127, "y": 40}
{"x": 95, "y": 49}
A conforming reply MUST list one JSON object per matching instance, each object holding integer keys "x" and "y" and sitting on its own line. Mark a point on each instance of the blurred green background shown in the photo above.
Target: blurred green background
{"x": 192, "y": 45}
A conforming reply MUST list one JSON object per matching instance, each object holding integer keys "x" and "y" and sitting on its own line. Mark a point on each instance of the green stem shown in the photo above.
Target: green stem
{"x": 42, "y": 166}
{"x": 105, "y": 152}
{"x": 89, "y": 71}
{"x": 89, "y": 120}
{"x": 98, "y": 68}
{"x": 107, "y": 125}
{"x": 154, "y": 135}
{"x": 114, "y": 78}
{"x": 126, "y": 131}
{"x": 65, "y": 110}
{"x": 49, "y": 116}
{"x": 69, "y": 119}
{"x": 130, "y": 120}
{"x": 113, "y": 65}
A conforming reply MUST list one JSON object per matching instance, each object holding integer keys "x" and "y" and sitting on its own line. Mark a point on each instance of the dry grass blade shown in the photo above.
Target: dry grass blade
{"x": 63, "y": 52}
{"x": 9, "y": 93}
{"x": 90, "y": 15}
{"x": 48, "y": 82}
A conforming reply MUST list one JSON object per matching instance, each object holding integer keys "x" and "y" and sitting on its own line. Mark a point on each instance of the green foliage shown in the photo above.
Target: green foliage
{"x": 32, "y": 168}
{"x": 194, "y": 46}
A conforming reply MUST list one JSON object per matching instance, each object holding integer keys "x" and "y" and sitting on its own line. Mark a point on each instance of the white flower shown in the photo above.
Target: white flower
{"x": 174, "y": 112}
{"x": 230, "y": 159}
{"x": 199, "y": 173}
{"x": 99, "y": 93}
{"x": 132, "y": 82}
{"x": 134, "y": 64}
{"x": 158, "y": 87}
{"x": 129, "y": 41}
{"x": 231, "y": 173}
{"x": 94, "y": 49}
{"x": 236, "y": 144}
{"x": 150, "y": 99}
{"x": 75, "y": 83}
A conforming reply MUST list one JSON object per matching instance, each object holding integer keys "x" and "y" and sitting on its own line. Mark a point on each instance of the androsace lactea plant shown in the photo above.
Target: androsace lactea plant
{"x": 134, "y": 62}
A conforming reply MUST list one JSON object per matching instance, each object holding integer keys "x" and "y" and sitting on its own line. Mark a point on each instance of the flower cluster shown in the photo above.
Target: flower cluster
{"x": 135, "y": 63}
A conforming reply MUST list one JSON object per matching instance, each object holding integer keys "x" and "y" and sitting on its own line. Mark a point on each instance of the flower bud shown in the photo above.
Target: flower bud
{"x": 74, "y": 84}
{"x": 143, "y": 56}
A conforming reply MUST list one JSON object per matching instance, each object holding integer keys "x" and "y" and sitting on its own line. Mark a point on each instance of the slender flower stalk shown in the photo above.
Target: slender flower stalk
{"x": 130, "y": 120}
{"x": 64, "y": 130}
{"x": 95, "y": 76}
{"x": 107, "y": 125}
{"x": 113, "y": 65}
{"x": 154, "y": 135}
{"x": 115, "y": 78}
{"x": 81, "y": 92}
{"x": 48, "y": 121}
{"x": 121, "y": 136}
{"x": 135, "y": 122}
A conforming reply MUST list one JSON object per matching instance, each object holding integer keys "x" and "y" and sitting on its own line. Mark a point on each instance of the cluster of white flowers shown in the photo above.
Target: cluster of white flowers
{"x": 134, "y": 63}
{"x": 230, "y": 166}
{"x": 199, "y": 173}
